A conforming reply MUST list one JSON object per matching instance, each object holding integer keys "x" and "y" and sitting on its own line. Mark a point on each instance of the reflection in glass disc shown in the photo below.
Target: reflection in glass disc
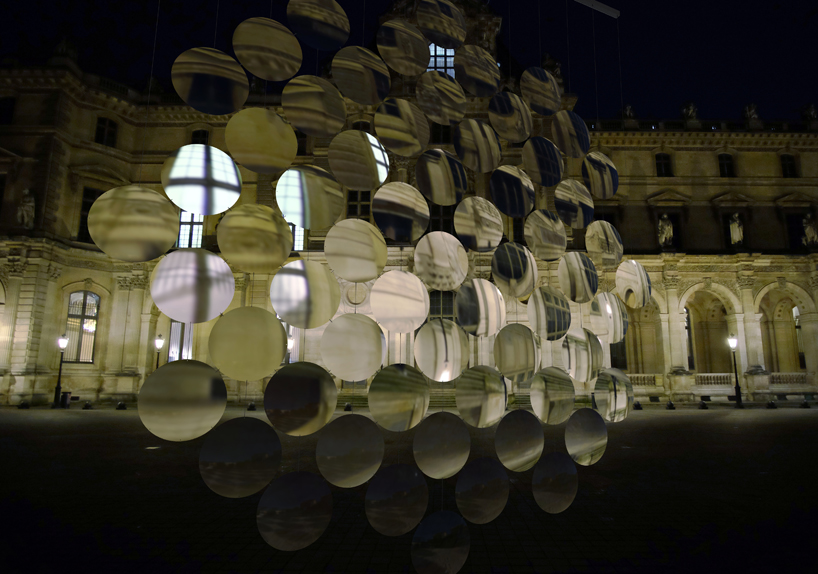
{"x": 478, "y": 224}
{"x": 440, "y": 261}
{"x": 480, "y": 308}
{"x": 396, "y": 499}
{"x": 300, "y": 398}
{"x": 482, "y": 490}
{"x": 355, "y": 250}
{"x": 586, "y": 437}
{"x": 633, "y": 284}
{"x": 400, "y": 212}
{"x": 440, "y": 544}
{"x": 516, "y": 352}
{"x": 398, "y": 397}
{"x": 573, "y": 203}
{"x": 261, "y": 141}
{"x": 549, "y": 313}
{"x": 210, "y": 81}
{"x": 305, "y": 294}
{"x": 477, "y": 71}
{"x": 358, "y": 160}
{"x": 294, "y": 511}
{"x": 247, "y": 343}
{"x": 477, "y": 145}
{"x": 254, "y": 238}
{"x": 540, "y": 91}
{"x": 512, "y": 191}
{"x": 314, "y": 106}
{"x": 600, "y": 175}
{"x": 510, "y": 117}
{"x": 603, "y": 244}
{"x": 321, "y": 24}
{"x": 545, "y": 235}
{"x": 440, "y": 97}
{"x": 441, "y": 445}
{"x": 366, "y": 336}
{"x": 481, "y": 396}
{"x": 309, "y": 197}
{"x": 349, "y": 451}
{"x": 578, "y": 277}
{"x": 441, "y": 177}
{"x": 203, "y": 180}
{"x": 402, "y": 127}
{"x": 570, "y": 134}
{"x": 361, "y": 75}
{"x": 612, "y": 398}
{"x": 582, "y": 353}
{"x": 441, "y": 22}
{"x": 552, "y": 395}
{"x": 543, "y": 162}
{"x": 441, "y": 350}
{"x": 519, "y": 440}
{"x": 514, "y": 270}
{"x": 403, "y": 47}
{"x": 615, "y": 316}
{"x": 267, "y": 49}
{"x": 555, "y": 482}
{"x": 400, "y": 301}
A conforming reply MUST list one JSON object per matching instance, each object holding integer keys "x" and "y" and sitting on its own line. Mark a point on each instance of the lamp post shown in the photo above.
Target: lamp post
{"x": 158, "y": 342}
{"x": 733, "y": 342}
{"x": 62, "y": 343}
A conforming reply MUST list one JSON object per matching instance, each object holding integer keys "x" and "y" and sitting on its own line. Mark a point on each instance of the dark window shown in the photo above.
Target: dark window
{"x": 795, "y": 231}
{"x": 441, "y": 305}
{"x": 440, "y": 134}
{"x": 302, "y": 143}
{"x": 441, "y": 218}
{"x": 180, "y": 341}
{"x": 7, "y": 111}
{"x": 106, "y": 132}
{"x": 89, "y": 196}
{"x": 517, "y": 229}
{"x": 200, "y": 137}
{"x": 441, "y": 59}
{"x": 663, "y": 165}
{"x": 362, "y": 125}
{"x": 2, "y": 190}
{"x": 359, "y": 204}
{"x": 788, "y": 166}
{"x": 190, "y": 230}
{"x": 689, "y": 330}
{"x": 726, "y": 167}
{"x": 619, "y": 356}
{"x": 802, "y": 359}
{"x": 81, "y": 327}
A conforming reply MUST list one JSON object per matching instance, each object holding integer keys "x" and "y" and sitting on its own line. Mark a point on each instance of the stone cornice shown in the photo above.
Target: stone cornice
{"x": 706, "y": 141}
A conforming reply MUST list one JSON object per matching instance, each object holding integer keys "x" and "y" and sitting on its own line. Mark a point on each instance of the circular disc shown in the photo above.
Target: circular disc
{"x": 314, "y": 106}
{"x": 540, "y": 91}
{"x": 396, "y": 499}
{"x": 203, "y": 180}
{"x": 481, "y": 397}
{"x": 482, "y": 489}
{"x": 610, "y": 396}
{"x": 400, "y": 212}
{"x": 477, "y": 145}
{"x": 545, "y": 235}
{"x": 603, "y": 244}
{"x": 133, "y": 223}
{"x": 440, "y": 544}
{"x": 247, "y": 343}
{"x": 348, "y": 333}
{"x": 441, "y": 445}
{"x": 440, "y": 261}
{"x": 510, "y": 116}
{"x": 633, "y": 284}
{"x": 322, "y": 24}
{"x": 349, "y": 451}
{"x": 210, "y": 81}
{"x": 615, "y": 315}
{"x": 305, "y": 294}
{"x": 267, "y": 49}
{"x": 240, "y": 457}
{"x": 441, "y": 22}
{"x": 516, "y": 352}
{"x": 403, "y": 47}
{"x": 182, "y": 400}
{"x": 586, "y": 437}
{"x": 519, "y": 440}
{"x": 582, "y": 352}
{"x": 555, "y": 482}
{"x": 514, "y": 270}
{"x": 441, "y": 178}
{"x": 402, "y": 127}
{"x": 552, "y": 395}
{"x": 440, "y": 97}
{"x": 398, "y": 397}
{"x": 570, "y": 134}
{"x": 361, "y": 75}
{"x": 300, "y": 398}
{"x": 400, "y": 301}
{"x": 549, "y": 313}
{"x": 254, "y": 238}
{"x": 578, "y": 277}
{"x": 358, "y": 160}
{"x": 310, "y": 197}
{"x": 600, "y": 175}
{"x": 441, "y": 350}
{"x": 477, "y": 71}
{"x": 542, "y": 161}
{"x": 480, "y": 308}
{"x": 355, "y": 250}
{"x": 512, "y": 191}
{"x": 261, "y": 141}
{"x": 192, "y": 285}
{"x": 478, "y": 224}
{"x": 574, "y": 203}
{"x": 294, "y": 511}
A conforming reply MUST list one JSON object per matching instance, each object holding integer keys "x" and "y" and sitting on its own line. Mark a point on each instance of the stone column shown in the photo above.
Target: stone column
{"x": 735, "y": 325}
{"x": 12, "y": 274}
{"x": 133, "y": 329}
{"x": 676, "y": 330}
{"x": 809, "y": 334}
{"x": 114, "y": 388}
{"x": 752, "y": 328}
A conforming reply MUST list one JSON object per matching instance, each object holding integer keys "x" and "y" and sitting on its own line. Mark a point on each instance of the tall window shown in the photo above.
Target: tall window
{"x": 106, "y": 132}
{"x": 298, "y": 237}
{"x": 441, "y": 59}
{"x": 663, "y": 165}
{"x": 81, "y": 327}
{"x": 89, "y": 196}
{"x": 788, "y": 165}
{"x": 796, "y": 316}
{"x": 359, "y": 204}
{"x": 518, "y": 230}
{"x": 190, "y": 230}
{"x": 7, "y": 111}
{"x": 689, "y": 331}
{"x": 200, "y": 137}
{"x": 181, "y": 341}
{"x": 441, "y": 218}
{"x": 619, "y": 355}
{"x": 441, "y": 305}
{"x": 440, "y": 134}
{"x": 362, "y": 125}
{"x": 726, "y": 167}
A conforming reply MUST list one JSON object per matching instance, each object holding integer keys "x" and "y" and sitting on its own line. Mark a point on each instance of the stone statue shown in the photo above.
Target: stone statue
{"x": 665, "y": 231}
{"x": 628, "y": 112}
{"x": 25, "y": 211}
{"x": 689, "y": 111}
{"x": 809, "y": 114}
{"x": 736, "y": 230}
{"x": 551, "y": 65}
{"x": 750, "y": 112}
{"x": 810, "y": 232}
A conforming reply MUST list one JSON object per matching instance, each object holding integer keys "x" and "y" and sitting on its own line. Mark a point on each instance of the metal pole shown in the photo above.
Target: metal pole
{"x": 739, "y": 404}
{"x": 157, "y": 360}
{"x": 58, "y": 388}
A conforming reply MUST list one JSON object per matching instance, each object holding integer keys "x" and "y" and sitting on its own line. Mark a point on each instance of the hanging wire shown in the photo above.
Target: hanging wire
{"x": 509, "y": 40}
{"x": 568, "y": 44}
{"x": 596, "y": 88}
{"x": 539, "y": 32}
{"x": 150, "y": 85}
{"x": 216, "y": 27}
{"x": 363, "y": 24}
{"x": 619, "y": 51}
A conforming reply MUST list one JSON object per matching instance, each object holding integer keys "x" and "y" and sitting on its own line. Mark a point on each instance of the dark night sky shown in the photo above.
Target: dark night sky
{"x": 722, "y": 54}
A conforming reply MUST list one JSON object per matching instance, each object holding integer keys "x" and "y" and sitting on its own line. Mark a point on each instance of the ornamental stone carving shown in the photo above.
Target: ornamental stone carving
{"x": 746, "y": 282}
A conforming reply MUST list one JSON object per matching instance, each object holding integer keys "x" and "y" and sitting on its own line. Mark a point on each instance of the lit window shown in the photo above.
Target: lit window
{"x": 298, "y": 237}
{"x": 381, "y": 159}
{"x": 203, "y": 178}
{"x": 190, "y": 230}
{"x": 289, "y": 193}
{"x": 441, "y": 59}
{"x": 106, "y": 132}
{"x": 181, "y": 341}
{"x": 81, "y": 327}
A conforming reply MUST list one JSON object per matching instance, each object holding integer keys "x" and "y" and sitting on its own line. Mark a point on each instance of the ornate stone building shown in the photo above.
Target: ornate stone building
{"x": 742, "y": 258}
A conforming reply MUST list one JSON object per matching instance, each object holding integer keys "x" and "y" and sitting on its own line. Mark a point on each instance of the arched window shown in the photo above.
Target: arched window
{"x": 689, "y": 331}
{"x": 796, "y": 316}
{"x": 106, "y": 132}
{"x": 81, "y": 327}
{"x": 441, "y": 59}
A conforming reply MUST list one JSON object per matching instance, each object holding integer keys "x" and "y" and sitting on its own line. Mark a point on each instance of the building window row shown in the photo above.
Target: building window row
{"x": 726, "y": 165}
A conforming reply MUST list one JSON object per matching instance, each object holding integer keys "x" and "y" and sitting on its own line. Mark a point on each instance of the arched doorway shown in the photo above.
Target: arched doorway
{"x": 707, "y": 332}
{"x": 780, "y": 333}
{"x": 644, "y": 341}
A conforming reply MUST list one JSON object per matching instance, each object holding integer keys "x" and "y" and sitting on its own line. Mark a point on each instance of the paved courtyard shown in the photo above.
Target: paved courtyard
{"x": 680, "y": 491}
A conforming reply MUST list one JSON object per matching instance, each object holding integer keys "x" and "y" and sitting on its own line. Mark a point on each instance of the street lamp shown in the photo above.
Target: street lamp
{"x": 62, "y": 343}
{"x": 733, "y": 342}
{"x": 158, "y": 342}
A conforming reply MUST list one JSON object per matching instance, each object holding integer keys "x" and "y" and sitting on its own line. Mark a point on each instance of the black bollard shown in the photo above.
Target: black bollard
{"x": 670, "y": 406}
{"x": 637, "y": 406}
{"x": 120, "y": 406}
{"x": 87, "y": 406}
{"x": 251, "y": 406}
{"x": 771, "y": 405}
{"x": 703, "y": 405}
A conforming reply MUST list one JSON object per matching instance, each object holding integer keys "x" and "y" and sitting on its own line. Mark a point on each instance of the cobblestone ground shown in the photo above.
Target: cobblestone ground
{"x": 681, "y": 491}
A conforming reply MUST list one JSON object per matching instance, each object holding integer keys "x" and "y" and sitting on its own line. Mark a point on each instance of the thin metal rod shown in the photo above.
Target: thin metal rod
{"x": 600, "y": 7}
{"x": 150, "y": 85}
{"x": 568, "y": 44}
{"x": 596, "y": 83}
{"x": 619, "y": 52}
{"x": 216, "y": 27}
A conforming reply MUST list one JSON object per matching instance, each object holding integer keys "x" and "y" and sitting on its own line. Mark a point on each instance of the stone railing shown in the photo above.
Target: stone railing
{"x": 788, "y": 378}
{"x": 642, "y": 380}
{"x": 715, "y": 379}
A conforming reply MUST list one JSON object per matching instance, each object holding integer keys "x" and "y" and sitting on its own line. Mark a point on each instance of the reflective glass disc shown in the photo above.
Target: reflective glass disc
{"x": 586, "y": 437}
{"x": 314, "y": 106}
{"x": 540, "y": 91}
{"x": 399, "y": 301}
{"x": 578, "y": 277}
{"x": 440, "y": 97}
{"x": 358, "y": 160}
{"x": 441, "y": 22}
{"x": 402, "y": 127}
{"x": 133, "y": 223}
{"x": 349, "y": 451}
{"x": 361, "y": 75}
{"x": 542, "y": 161}
{"x": 573, "y": 203}
{"x": 294, "y": 511}
{"x": 310, "y": 197}
{"x": 441, "y": 445}
{"x": 441, "y": 261}
{"x": 403, "y": 47}
{"x": 477, "y": 71}
{"x": 400, "y": 212}
{"x": 477, "y": 145}
{"x": 247, "y": 343}
{"x": 267, "y": 49}
{"x": 516, "y": 352}
{"x": 555, "y": 482}
{"x": 305, "y": 294}
{"x": 610, "y": 398}
{"x": 600, "y": 175}
{"x": 512, "y": 191}
{"x": 633, "y": 284}
{"x": 210, "y": 81}
{"x": 519, "y": 440}
{"x": 182, "y": 400}
{"x": 545, "y": 235}
{"x": 510, "y": 116}
{"x": 355, "y": 250}
{"x": 398, "y": 397}
{"x": 570, "y": 134}
{"x": 478, "y": 224}
{"x": 549, "y": 313}
{"x": 352, "y": 347}
{"x": 482, "y": 489}
{"x": 514, "y": 270}
{"x": 603, "y": 244}
{"x": 615, "y": 317}
{"x": 396, "y": 499}
{"x": 192, "y": 285}
{"x": 203, "y": 180}
{"x": 552, "y": 395}
{"x": 481, "y": 397}
{"x": 440, "y": 544}
{"x": 254, "y": 238}
{"x": 261, "y": 141}
{"x": 321, "y": 24}
{"x": 582, "y": 352}
{"x": 300, "y": 398}
{"x": 240, "y": 457}
{"x": 480, "y": 308}
{"x": 441, "y": 178}
{"x": 441, "y": 350}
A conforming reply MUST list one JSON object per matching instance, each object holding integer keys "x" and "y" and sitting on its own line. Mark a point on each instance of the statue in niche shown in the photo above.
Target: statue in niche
{"x": 25, "y": 211}
{"x": 751, "y": 112}
{"x": 736, "y": 230}
{"x": 690, "y": 111}
{"x": 810, "y": 238}
{"x": 628, "y": 112}
{"x": 809, "y": 113}
{"x": 665, "y": 231}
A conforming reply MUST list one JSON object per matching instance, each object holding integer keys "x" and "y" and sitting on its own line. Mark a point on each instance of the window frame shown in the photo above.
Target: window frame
{"x": 664, "y": 164}
{"x": 81, "y": 332}
{"x": 727, "y": 168}
{"x": 441, "y": 218}
{"x": 182, "y": 341}
{"x": 438, "y": 54}
{"x": 355, "y": 200}
{"x": 192, "y": 224}
{"x": 110, "y": 130}
{"x": 791, "y": 164}
{"x": 8, "y": 105}
{"x": 85, "y": 208}
{"x": 193, "y": 137}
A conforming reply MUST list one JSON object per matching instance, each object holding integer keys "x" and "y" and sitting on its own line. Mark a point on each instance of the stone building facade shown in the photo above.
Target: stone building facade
{"x": 66, "y": 136}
